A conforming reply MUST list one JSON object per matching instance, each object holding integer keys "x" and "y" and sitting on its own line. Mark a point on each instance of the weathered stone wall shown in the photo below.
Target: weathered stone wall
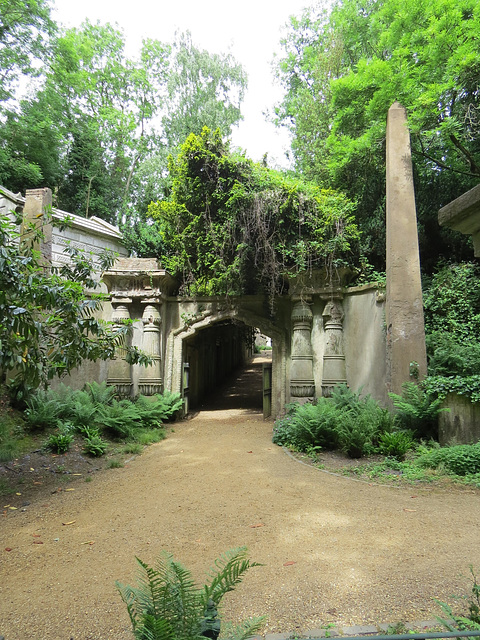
{"x": 365, "y": 340}
{"x": 461, "y": 423}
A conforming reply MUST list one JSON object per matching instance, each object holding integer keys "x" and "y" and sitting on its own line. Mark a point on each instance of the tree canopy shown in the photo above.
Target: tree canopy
{"x": 97, "y": 120}
{"x": 230, "y": 226}
{"x": 342, "y": 69}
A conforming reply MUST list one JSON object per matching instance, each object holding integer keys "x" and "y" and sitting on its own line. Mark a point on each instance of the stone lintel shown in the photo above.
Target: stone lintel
{"x": 463, "y": 214}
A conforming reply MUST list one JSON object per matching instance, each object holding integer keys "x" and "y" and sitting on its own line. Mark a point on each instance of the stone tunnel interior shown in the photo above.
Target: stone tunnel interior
{"x": 223, "y": 371}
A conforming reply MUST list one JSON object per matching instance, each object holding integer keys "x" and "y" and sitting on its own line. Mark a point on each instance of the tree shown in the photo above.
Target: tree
{"x": 204, "y": 90}
{"x": 47, "y": 321}
{"x": 342, "y": 71}
{"x": 25, "y": 31}
{"x": 231, "y": 226}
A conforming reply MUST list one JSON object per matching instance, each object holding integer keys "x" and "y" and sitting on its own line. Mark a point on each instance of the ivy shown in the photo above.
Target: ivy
{"x": 440, "y": 386}
{"x": 235, "y": 227}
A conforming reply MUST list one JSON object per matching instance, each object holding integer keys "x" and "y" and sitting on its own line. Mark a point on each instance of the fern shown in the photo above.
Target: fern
{"x": 166, "y": 604}
{"x": 100, "y": 394}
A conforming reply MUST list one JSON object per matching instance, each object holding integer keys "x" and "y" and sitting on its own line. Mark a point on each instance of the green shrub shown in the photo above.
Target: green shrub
{"x": 357, "y": 435}
{"x": 42, "y": 410}
{"x": 346, "y": 421}
{"x": 100, "y": 394}
{"x": 161, "y": 408}
{"x": 118, "y": 420}
{"x": 462, "y": 459}
{"x": 396, "y": 444}
{"x": 59, "y": 442}
{"x": 308, "y": 425}
{"x": 166, "y": 604}
{"x": 93, "y": 443}
{"x": 417, "y": 410}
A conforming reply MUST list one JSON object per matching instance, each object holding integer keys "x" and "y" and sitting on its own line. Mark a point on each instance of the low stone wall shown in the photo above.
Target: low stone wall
{"x": 461, "y": 423}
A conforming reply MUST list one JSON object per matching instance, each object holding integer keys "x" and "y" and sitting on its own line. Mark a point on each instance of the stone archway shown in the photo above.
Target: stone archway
{"x": 177, "y": 339}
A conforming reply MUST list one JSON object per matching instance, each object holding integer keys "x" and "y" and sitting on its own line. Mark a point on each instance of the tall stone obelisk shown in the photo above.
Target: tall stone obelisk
{"x": 406, "y": 354}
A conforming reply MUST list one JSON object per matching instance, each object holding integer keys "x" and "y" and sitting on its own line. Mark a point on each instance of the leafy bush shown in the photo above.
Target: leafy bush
{"x": 346, "y": 421}
{"x": 462, "y": 459}
{"x": 395, "y": 444}
{"x": 119, "y": 420}
{"x": 307, "y": 426}
{"x": 100, "y": 394}
{"x": 42, "y": 411}
{"x": 93, "y": 443}
{"x": 166, "y": 604}
{"x": 154, "y": 411}
{"x": 59, "y": 442}
{"x": 417, "y": 410}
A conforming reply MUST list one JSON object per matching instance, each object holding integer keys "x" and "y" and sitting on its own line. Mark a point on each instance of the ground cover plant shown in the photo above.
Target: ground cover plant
{"x": 396, "y": 447}
{"x": 166, "y": 604}
{"x": 95, "y": 415}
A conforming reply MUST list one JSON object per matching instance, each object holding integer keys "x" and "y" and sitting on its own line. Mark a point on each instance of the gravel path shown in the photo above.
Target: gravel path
{"x": 334, "y": 550}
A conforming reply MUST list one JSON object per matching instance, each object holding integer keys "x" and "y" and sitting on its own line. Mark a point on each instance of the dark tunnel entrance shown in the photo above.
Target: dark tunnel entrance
{"x": 221, "y": 368}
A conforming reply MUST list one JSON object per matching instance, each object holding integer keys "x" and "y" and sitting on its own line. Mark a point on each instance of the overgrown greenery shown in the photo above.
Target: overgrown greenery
{"x": 97, "y": 416}
{"x": 452, "y": 323}
{"x": 230, "y": 226}
{"x": 47, "y": 319}
{"x": 166, "y": 604}
{"x": 345, "y": 421}
{"x": 344, "y": 65}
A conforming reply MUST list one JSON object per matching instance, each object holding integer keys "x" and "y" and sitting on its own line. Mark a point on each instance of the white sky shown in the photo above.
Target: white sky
{"x": 249, "y": 29}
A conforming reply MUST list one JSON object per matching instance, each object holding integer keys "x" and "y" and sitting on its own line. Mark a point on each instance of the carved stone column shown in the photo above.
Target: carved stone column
{"x": 119, "y": 370}
{"x": 150, "y": 381}
{"x": 334, "y": 370}
{"x": 302, "y": 383}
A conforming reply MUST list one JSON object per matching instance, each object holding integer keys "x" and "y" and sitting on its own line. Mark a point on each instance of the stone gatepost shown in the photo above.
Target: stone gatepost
{"x": 302, "y": 383}
{"x": 119, "y": 370}
{"x": 334, "y": 369}
{"x": 38, "y": 202}
{"x": 150, "y": 381}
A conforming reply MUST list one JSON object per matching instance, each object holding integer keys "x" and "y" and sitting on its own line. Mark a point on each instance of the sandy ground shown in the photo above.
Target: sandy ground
{"x": 333, "y": 549}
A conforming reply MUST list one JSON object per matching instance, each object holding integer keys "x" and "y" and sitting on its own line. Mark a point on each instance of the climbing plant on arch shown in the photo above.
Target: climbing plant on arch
{"x": 231, "y": 226}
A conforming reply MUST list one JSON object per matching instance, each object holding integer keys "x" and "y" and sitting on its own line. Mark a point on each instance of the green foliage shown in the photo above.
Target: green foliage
{"x": 119, "y": 419}
{"x": 59, "y": 442}
{"x": 343, "y": 67}
{"x": 166, "y": 604}
{"x": 417, "y": 410}
{"x": 47, "y": 323}
{"x": 25, "y": 29}
{"x": 93, "y": 412}
{"x": 462, "y": 459}
{"x": 232, "y": 226}
{"x": 10, "y": 434}
{"x": 93, "y": 443}
{"x": 43, "y": 410}
{"x": 396, "y": 444}
{"x": 345, "y": 421}
{"x": 466, "y": 622}
{"x": 440, "y": 386}
{"x": 154, "y": 411}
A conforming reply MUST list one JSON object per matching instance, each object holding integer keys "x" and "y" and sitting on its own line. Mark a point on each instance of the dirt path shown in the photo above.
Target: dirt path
{"x": 334, "y": 550}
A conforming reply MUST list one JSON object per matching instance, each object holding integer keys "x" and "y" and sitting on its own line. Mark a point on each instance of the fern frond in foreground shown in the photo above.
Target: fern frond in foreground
{"x": 166, "y": 604}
